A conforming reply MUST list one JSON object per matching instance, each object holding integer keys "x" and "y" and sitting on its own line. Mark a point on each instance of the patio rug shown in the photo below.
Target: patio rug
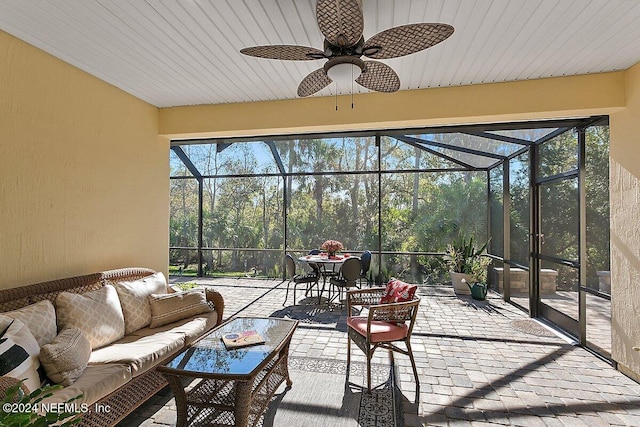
{"x": 321, "y": 396}
{"x": 531, "y": 327}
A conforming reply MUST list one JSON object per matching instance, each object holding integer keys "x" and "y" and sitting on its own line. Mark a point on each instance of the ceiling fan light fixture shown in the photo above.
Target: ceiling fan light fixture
{"x": 344, "y": 73}
{"x": 344, "y": 69}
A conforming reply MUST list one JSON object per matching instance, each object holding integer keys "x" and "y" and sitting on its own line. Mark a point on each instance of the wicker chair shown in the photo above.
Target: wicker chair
{"x": 384, "y": 327}
{"x": 309, "y": 279}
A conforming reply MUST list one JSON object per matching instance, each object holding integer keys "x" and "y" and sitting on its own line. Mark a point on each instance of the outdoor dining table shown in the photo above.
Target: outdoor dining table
{"x": 328, "y": 266}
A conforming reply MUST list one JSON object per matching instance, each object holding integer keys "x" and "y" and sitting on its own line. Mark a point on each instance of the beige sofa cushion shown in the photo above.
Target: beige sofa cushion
{"x": 192, "y": 328}
{"x": 40, "y": 318}
{"x": 65, "y": 358}
{"x": 97, "y": 314}
{"x": 96, "y": 382}
{"x": 170, "y": 308}
{"x": 134, "y": 299}
{"x": 141, "y": 353}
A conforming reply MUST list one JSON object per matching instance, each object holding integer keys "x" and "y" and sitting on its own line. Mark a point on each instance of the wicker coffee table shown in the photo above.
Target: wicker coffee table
{"x": 234, "y": 386}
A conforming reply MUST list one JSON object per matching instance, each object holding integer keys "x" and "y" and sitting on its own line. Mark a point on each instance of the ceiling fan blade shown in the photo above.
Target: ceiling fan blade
{"x": 286, "y": 52}
{"x": 340, "y": 21}
{"x": 379, "y": 77}
{"x": 314, "y": 82}
{"x": 405, "y": 40}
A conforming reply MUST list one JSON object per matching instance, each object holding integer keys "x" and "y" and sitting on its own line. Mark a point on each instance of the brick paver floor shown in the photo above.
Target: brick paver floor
{"x": 479, "y": 363}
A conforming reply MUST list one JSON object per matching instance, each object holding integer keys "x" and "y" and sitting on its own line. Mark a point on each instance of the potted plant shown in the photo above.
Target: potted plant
{"x": 466, "y": 261}
{"x": 21, "y": 409}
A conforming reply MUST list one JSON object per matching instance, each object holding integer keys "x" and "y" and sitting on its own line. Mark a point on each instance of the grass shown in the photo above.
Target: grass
{"x": 192, "y": 271}
{"x": 186, "y": 286}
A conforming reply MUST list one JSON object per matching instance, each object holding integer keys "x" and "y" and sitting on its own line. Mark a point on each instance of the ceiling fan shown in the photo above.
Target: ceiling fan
{"x": 341, "y": 23}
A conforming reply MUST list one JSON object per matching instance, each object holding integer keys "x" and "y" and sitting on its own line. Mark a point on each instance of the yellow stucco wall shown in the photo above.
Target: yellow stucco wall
{"x": 83, "y": 174}
{"x": 528, "y": 100}
{"x": 625, "y": 227}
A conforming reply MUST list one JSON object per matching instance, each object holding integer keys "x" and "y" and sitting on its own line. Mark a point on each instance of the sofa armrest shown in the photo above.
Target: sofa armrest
{"x": 218, "y": 302}
{"x": 213, "y": 297}
{"x": 6, "y": 382}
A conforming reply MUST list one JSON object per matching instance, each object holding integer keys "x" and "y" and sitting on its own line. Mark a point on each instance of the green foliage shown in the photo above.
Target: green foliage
{"x": 25, "y": 405}
{"x": 186, "y": 286}
{"x": 464, "y": 256}
{"x": 421, "y": 212}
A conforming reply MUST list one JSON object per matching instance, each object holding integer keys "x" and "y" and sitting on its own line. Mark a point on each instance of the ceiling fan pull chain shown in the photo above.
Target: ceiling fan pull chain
{"x": 352, "y": 88}
{"x": 336, "y": 86}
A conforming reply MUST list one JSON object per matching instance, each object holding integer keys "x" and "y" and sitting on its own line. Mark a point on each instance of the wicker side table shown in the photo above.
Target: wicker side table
{"x": 231, "y": 387}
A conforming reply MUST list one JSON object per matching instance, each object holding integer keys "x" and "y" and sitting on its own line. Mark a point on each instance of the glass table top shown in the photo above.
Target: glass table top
{"x": 209, "y": 355}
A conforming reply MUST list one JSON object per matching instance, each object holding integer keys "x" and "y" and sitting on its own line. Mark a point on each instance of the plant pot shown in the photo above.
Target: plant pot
{"x": 458, "y": 285}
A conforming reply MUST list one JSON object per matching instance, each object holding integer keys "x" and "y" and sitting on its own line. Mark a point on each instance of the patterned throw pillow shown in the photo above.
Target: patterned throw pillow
{"x": 19, "y": 352}
{"x": 40, "y": 318}
{"x": 97, "y": 314}
{"x": 134, "y": 299}
{"x": 65, "y": 358}
{"x": 398, "y": 291}
{"x": 170, "y": 308}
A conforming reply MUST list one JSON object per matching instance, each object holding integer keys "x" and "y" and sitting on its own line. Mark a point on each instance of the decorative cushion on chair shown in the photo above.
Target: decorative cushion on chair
{"x": 305, "y": 278}
{"x": 380, "y": 331}
{"x": 398, "y": 291}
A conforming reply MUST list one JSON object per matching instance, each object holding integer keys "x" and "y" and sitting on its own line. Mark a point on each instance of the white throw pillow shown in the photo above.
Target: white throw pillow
{"x": 40, "y": 318}
{"x": 97, "y": 314}
{"x": 19, "y": 352}
{"x": 135, "y": 302}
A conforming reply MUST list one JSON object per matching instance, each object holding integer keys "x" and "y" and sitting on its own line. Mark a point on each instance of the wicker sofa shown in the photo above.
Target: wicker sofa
{"x": 130, "y": 384}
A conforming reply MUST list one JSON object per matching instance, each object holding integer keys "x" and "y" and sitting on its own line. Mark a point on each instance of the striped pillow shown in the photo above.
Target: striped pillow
{"x": 169, "y": 308}
{"x": 65, "y": 358}
{"x": 19, "y": 353}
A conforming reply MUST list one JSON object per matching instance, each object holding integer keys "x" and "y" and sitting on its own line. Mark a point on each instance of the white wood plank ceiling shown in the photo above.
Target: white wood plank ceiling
{"x": 186, "y": 52}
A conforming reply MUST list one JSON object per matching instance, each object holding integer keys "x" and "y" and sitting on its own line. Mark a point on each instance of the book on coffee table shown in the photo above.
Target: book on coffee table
{"x": 242, "y": 339}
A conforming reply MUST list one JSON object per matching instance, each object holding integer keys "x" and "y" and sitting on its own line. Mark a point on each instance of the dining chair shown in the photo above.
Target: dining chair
{"x": 309, "y": 279}
{"x": 385, "y": 325}
{"x": 347, "y": 276}
{"x": 365, "y": 265}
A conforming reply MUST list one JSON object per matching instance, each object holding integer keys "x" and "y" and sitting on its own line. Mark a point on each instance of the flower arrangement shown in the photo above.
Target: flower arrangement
{"x": 332, "y": 246}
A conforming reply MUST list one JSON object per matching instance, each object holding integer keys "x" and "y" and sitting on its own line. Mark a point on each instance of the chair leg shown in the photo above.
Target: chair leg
{"x": 413, "y": 362}
{"x": 294, "y": 293}
{"x": 287, "y": 294}
{"x": 348, "y": 351}
{"x": 369, "y": 355}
